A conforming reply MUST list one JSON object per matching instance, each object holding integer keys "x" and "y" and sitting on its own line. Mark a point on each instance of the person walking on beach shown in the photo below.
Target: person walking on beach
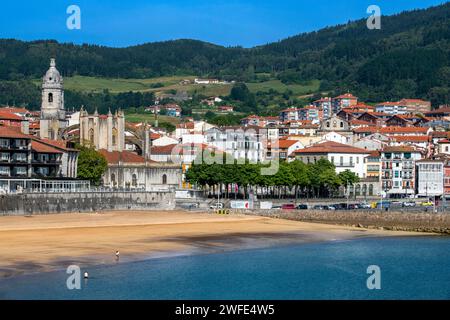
{"x": 117, "y": 255}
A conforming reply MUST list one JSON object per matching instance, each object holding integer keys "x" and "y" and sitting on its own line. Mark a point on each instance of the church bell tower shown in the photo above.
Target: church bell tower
{"x": 53, "y": 115}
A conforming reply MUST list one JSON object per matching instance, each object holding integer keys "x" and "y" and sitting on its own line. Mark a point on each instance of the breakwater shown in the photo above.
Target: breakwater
{"x": 391, "y": 220}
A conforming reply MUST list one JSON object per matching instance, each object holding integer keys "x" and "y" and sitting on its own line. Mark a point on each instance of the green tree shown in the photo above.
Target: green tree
{"x": 91, "y": 165}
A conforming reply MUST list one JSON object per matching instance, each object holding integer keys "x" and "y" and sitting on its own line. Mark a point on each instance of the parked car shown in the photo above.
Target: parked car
{"x": 218, "y": 205}
{"x": 352, "y": 206}
{"x": 318, "y": 207}
{"x": 364, "y": 205}
{"x": 288, "y": 206}
{"x": 409, "y": 204}
{"x": 383, "y": 204}
{"x": 302, "y": 207}
{"x": 276, "y": 207}
{"x": 326, "y": 207}
{"x": 426, "y": 204}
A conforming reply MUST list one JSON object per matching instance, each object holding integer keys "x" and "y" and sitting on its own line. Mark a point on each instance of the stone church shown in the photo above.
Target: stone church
{"x": 53, "y": 115}
{"x": 103, "y": 131}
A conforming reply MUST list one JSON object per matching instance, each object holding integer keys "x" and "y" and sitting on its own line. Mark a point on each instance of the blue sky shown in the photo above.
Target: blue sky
{"x": 247, "y": 23}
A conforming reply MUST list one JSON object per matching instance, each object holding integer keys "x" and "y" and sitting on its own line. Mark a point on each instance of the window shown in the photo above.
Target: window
{"x": 50, "y": 97}
{"x": 91, "y": 135}
{"x": 114, "y": 137}
{"x": 341, "y": 160}
{"x": 113, "y": 179}
{"x": 4, "y": 156}
{"x": 332, "y": 159}
{"x": 370, "y": 190}
{"x": 351, "y": 161}
{"x": 164, "y": 179}
{"x": 134, "y": 180}
{"x": 4, "y": 171}
{"x": 342, "y": 124}
{"x": 21, "y": 171}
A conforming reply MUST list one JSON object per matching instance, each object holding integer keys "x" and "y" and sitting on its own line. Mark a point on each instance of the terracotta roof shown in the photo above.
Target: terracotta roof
{"x": 411, "y": 138}
{"x": 399, "y": 149}
{"x": 440, "y": 110}
{"x": 14, "y": 110}
{"x": 58, "y": 144}
{"x": 345, "y": 96}
{"x": 42, "y": 147}
{"x": 375, "y": 154}
{"x": 186, "y": 125}
{"x": 8, "y": 132}
{"x": 403, "y": 130}
{"x": 285, "y": 143}
{"x": 414, "y": 101}
{"x": 124, "y": 156}
{"x": 371, "y": 129}
{"x": 331, "y": 147}
{"x": 5, "y": 115}
{"x": 444, "y": 141}
{"x": 165, "y": 150}
{"x": 154, "y": 136}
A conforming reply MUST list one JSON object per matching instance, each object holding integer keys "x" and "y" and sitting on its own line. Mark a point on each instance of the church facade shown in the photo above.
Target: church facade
{"x": 103, "y": 132}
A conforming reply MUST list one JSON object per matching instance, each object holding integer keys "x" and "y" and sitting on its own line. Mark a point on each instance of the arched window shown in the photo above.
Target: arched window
{"x": 50, "y": 97}
{"x": 364, "y": 189}
{"x": 164, "y": 179}
{"x": 91, "y": 135}
{"x": 134, "y": 180}
{"x": 358, "y": 190}
{"x": 342, "y": 124}
{"x": 370, "y": 189}
{"x": 114, "y": 136}
{"x": 113, "y": 179}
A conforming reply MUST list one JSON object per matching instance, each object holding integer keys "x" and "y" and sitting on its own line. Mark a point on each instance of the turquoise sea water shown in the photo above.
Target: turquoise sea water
{"x": 411, "y": 268}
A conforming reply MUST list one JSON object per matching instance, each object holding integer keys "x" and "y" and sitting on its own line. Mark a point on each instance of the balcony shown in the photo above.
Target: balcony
{"x": 344, "y": 164}
{"x": 48, "y": 162}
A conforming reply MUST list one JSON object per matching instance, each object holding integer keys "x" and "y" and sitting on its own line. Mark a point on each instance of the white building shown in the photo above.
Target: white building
{"x": 335, "y": 137}
{"x": 430, "y": 178}
{"x": 343, "y": 156}
{"x": 240, "y": 143}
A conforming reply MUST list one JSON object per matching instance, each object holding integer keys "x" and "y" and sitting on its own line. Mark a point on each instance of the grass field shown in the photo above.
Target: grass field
{"x": 150, "y": 118}
{"x": 277, "y": 85}
{"x": 93, "y": 84}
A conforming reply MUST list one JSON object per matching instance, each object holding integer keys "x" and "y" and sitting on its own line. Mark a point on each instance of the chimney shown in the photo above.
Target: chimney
{"x": 25, "y": 127}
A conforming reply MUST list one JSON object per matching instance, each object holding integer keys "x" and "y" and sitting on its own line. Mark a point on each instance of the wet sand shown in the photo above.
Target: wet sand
{"x": 49, "y": 242}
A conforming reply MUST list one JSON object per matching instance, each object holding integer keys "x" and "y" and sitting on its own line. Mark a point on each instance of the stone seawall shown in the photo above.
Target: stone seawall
{"x": 43, "y": 203}
{"x": 401, "y": 221}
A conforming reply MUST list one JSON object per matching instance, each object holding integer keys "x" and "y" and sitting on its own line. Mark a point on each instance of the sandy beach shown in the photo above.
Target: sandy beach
{"x": 48, "y": 242}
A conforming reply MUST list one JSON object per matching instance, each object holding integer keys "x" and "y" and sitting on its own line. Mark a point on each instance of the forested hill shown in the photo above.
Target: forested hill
{"x": 409, "y": 56}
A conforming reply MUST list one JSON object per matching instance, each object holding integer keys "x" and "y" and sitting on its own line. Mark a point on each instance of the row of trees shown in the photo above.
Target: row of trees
{"x": 293, "y": 178}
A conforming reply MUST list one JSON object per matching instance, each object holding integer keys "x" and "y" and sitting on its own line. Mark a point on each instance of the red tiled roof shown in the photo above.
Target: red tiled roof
{"x": 14, "y": 110}
{"x": 5, "y": 115}
{"x": 42, "y": 147}
{"x": 331, "y": 147}
{"x": 58, "y": 144}
{"x": 345, "y": 96}
{"x": 285, "y": 143}
{"x": 162, "y": 149}
{"x": 8, "y": 132}
{"x": 124, "y": 156}
{"x": 403, "y": 130}
{"x": 399, "y": 149}
{"x": 411, "y": 138}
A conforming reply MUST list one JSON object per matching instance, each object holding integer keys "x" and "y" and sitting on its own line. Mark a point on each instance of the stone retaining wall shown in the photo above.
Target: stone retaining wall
{"x": 392, "y": 220}
{"x": 42, "y": 203}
